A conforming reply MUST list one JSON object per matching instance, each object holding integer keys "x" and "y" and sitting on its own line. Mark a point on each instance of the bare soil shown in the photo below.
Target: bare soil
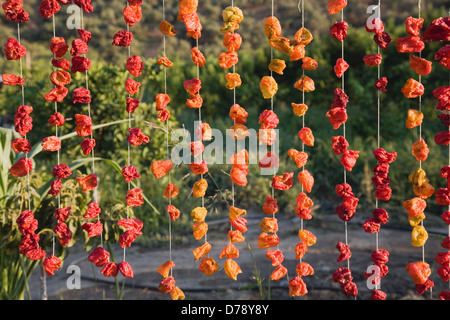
{"x": 322, "y": 256}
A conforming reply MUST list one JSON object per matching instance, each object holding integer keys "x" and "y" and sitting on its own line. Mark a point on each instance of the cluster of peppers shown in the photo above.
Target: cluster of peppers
{"x": 268, "y": 120}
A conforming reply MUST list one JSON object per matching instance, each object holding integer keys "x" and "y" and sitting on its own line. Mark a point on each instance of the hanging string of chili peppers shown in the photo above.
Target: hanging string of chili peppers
{"x": 422, "y": 189}
{"x": 59, "y": 78}
{"x": 167, "y": 285}
{"x": 267, "y": 135}
{"x": 297, "y": 287}
{"x": 436, "y": 32}
{"x": 98, "y": 256}
{"x": 202, "y": 132}
{"x": 232, "y": 17}
{"x": 23, "y": 124}
{"x": 338, "y": 117}
{"x": 380, "y": 179}
{"x": 134, "y": 198}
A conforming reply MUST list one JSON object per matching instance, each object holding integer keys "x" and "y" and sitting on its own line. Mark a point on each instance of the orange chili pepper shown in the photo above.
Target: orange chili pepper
{"x": 232, "y": 269}
{"x": 303, "y": 201}
{"x": 414, "y": 118}
{"x": 309, "y": 64}
{"x": 303, "y": 36}
{"x": 267, "y": 136}
{"x": 176, "y": 294}
{"x": 201, "y": 251}
{"x": 419, "y": 236}
{"x": 173, "y": 212}
{"x": 232, "y": 41}
{"x": 307, "y": 137}
{"x": 235, "y": 236}
{"x": 298, "y": 52}
{"x": 304, "y": 269}
{"x": 277, "y": 65}
{"x": 164, "y": 269}
{"x": 268, "y": 87}
{"x": 171, "y": 191}
{"x": 199, "y": 214}
{"x": 307, "y": 237}
{"x": 60, "y": 78}
{"x": 161, "y": 168}
{"x": 230, "y": 252}
{"x": 228, "y": 59}
{"x": 208, "y": 266}
{"x": 276, "y": 256}
{"x": 306, "y": 180}
{"x": 239, "y": 132}
{"x": 415, "y": 206}
{"x": 299, "y": 109}
{"x": 269, "y": 225}
{"x": 239, "y": 224}
{"x": 300, "y": 158}
{"x": 268, "y": 240}
{"x": 166, "y": 28}
{"x": 199, "y": 188}
{"x": 413, "y": 89}
{"x": 279, "y": 272}
{"x": 272, "y": 27}
{"x": 235, "y": 213}
{"x": 300, "y": 250}
{"x": 305, "y": 84}
{"x": 197, "y": 57}
{"x": 233, "y": 81}
{"x": 420, "y": 150}
{"x": 297, "y": 287}
{"x": 270, "y": 205}
{"x": 88, "y": 182}
{"x": 238, "y": 114}
{"x": 419, "y": 271}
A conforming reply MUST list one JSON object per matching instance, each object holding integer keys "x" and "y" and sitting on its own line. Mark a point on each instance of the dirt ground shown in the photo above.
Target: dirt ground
{"x": 322, "y": 256}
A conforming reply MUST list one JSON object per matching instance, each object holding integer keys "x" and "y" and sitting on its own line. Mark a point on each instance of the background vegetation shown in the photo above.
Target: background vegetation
{"x": 108, "y": 75}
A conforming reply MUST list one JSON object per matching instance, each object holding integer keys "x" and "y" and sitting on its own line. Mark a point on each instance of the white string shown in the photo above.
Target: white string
{"x": 234, "y": 122}
{"x": 23, "y": 103}
{"x": 167, "y": 141}
{"x": 95, "y": 194}
{"x": 344, "y": 134}
{"x": 128, "y": 143}
{"x": 56, "y": 134}
{"x": 272, "y": 108}
{"x": 378, "y": 128}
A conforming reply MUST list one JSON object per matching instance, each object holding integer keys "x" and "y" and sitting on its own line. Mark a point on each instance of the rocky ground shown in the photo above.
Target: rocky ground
{"x": 322, "y": 256}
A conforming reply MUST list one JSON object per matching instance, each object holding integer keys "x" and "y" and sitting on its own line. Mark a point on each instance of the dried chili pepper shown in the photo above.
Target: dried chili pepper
{"x": 268, "y": 87}
{"x": 419, "y": 271}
